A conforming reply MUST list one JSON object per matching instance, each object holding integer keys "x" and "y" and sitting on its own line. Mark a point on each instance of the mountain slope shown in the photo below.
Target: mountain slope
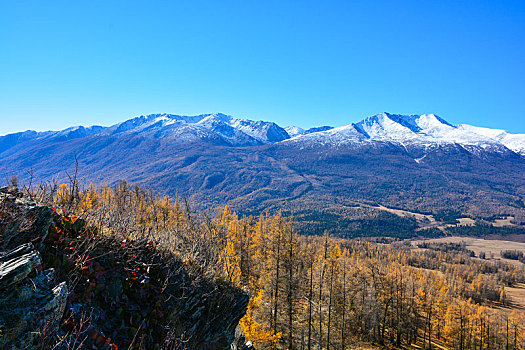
{"x": 514, "y": 142}
{"x": 217, "y": 126}
{"x": 425, "y": 131}
{"x": 417, "y": 163}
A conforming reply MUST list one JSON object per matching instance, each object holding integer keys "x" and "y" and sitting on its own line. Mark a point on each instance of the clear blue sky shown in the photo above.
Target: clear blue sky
{"x": 307, "y": 63}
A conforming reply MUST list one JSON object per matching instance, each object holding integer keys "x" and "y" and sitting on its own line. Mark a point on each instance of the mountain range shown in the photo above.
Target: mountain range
{"x": 338, "y": 178}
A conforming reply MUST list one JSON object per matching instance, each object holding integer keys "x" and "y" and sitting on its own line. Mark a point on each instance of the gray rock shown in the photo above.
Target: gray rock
{"x": 213, "y": 315}
{"x": 248, "y": 346}
{"x": 240, "y": 342}
{"x": 31, "y": 305}
{"x": 17, "y": 264}
{"x": 22, "y": 221}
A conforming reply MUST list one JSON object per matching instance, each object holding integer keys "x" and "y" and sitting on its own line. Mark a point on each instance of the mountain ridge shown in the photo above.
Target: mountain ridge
{"x": 422, "y": 130}
{"x": 426, "y": 165}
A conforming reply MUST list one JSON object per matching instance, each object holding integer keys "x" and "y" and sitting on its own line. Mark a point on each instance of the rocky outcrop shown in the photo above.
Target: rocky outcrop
{"x": 213, "y": 315}
{"x": 22, "y": 220}
{"x": 31, "y": 303}
{"x": 240, "y": 342}
{"x": 128, "y": 289}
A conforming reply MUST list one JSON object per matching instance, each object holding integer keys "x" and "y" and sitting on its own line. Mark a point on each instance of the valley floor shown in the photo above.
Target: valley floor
{"x": 491, "y": 247}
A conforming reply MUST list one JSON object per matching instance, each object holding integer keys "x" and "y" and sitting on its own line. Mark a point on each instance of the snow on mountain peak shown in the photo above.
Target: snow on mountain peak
{"x": 426, "y": 130}
{"x": 423, "y": 131}
{"x": 418, "y": 123}
{"x": 419, "y": 129}
{"x": 294, "y": 130}
{"x": 341, "y": 136}
{"x": 232, "y": 130}
{"x": 383, "y": 127}
{"x": 514, "y": 142}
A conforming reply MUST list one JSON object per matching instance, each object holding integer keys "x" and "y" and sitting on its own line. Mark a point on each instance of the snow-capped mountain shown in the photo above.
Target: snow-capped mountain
{"x": 75, "y": 132}
{"x": 318, "y": 128}
{"x": 218, "y": 126}
{"x": 424, "y": 131}
{"x": 294, "y": 130}
{"x": 515, "y": 142}
{"x": 414, "y": 162}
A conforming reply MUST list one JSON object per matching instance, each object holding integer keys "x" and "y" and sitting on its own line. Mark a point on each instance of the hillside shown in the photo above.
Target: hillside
{"x": 420, "y": 164}
{"x": 148, "y": 272}
{"x": 67, "y": 283}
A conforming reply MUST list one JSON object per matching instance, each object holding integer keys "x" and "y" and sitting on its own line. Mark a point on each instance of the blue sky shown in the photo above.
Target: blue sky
{"x": 305, "y": 63}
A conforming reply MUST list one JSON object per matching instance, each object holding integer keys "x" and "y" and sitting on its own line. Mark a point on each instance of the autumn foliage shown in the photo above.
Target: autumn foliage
{"x": 307, "y": 292}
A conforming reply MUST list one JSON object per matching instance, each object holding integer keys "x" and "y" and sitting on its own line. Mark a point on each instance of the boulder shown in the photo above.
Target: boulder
{"x": 208, "y": 316}
{"x": 31, "y": 304}
{"x": 22, "y": 221}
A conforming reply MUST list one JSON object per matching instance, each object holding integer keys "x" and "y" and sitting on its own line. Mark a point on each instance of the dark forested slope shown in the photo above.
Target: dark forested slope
{"x": 306, "y": 176}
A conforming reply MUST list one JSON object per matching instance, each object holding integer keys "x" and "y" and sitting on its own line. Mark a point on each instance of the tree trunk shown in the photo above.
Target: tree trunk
{"x": 290, "y": 292}
{"x": 310, "y": 304}
{"x": 344, "y": 306}
{"x": 276, "y": 287}
{"x": 330, "y": 307}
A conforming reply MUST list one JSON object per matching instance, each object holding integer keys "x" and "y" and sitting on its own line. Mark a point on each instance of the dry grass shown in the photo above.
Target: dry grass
{"x": 424, "y": 220}
{"x": 516, "y": 295}
{"x": 428, "y": 221}
{"x": 507, "y": 221}
{"x": 492, "y": 248}
{"x": 465, "y": 222}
